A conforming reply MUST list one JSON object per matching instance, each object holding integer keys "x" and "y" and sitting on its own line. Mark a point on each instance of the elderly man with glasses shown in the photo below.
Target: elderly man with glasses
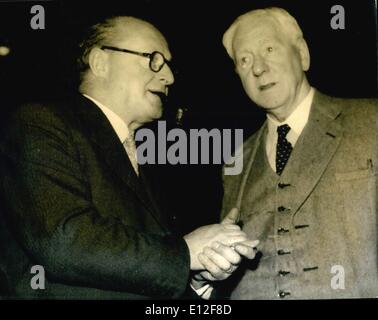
{"x": 78, "y": 203}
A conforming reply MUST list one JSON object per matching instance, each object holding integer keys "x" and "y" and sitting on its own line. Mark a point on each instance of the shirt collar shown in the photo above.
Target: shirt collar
{"x": 298, "y": 118}
{"x": 116, "y": 122}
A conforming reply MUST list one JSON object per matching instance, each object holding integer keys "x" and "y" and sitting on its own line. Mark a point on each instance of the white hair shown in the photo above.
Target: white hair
{"x": 288, "y": 25}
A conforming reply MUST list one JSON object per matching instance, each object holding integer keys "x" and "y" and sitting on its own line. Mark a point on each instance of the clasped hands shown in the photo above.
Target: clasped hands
{"x": 217, "y": 250}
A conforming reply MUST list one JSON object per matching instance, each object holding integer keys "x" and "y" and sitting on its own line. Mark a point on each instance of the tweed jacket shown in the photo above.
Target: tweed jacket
{"x": 326, "y": 200}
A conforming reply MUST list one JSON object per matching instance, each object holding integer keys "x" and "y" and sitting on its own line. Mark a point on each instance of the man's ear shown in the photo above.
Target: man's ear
{"x": 304, "y": 53}
{"x": 98, "y": 62}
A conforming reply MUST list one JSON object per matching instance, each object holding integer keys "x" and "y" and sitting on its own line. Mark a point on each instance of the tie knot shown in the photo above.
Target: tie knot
{"x": 283, "y": 130}
{"x": 129, "y": 140}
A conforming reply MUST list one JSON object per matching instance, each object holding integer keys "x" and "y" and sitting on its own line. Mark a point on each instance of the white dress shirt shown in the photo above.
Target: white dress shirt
{"x": 117, "y": 123}
{"x": 297, "y": 121}
{"x": 123, "y": 132}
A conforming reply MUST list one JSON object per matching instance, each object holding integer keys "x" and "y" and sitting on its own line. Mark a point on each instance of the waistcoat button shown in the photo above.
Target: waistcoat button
{"x": 282, "y": 230}
{"x": 282, "y": 252}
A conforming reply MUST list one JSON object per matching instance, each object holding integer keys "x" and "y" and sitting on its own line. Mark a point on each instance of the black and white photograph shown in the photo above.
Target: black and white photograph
{"x": 188, "y": 150}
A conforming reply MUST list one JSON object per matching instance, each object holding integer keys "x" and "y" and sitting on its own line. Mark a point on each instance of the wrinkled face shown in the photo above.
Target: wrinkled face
{"x": 134, "y": 90}
{"x": 270, "y": 67}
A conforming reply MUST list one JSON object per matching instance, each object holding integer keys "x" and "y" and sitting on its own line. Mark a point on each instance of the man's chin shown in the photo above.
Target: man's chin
{"x": 156, "y": 113}
{"x": 262, "y": 104}
{"x": 267, "y": 104}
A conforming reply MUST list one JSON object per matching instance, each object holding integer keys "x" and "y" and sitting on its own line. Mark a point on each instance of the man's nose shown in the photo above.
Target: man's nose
{"x": 166, "y": 75}
{"x": 259, "y": 66}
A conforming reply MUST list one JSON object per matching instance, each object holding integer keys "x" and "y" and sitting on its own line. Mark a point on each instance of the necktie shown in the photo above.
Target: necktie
{"x": 130, "y": 147}
{"x": 284, "y": 148}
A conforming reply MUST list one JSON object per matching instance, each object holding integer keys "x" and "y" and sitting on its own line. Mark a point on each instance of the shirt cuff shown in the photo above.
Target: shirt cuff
{"x": 204, "y": 292}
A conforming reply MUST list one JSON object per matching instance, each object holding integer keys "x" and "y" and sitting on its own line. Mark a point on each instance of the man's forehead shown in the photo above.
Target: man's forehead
{"x": 256, "y": 29}
{"x": 142, "y": 38}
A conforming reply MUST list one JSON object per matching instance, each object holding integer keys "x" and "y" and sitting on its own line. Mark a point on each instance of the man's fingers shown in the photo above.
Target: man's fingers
{"x": 231, "y": 227}
{"x": 217, "y": 259}
{"x": 227, "y": 252}
{"x": 214, "y": 271}
{"x": 245, "y": 251}
{"x": 249, "y": 243}
{"x": 231, "y": 217}
{"x": 211, "y": 267}
{"x": 246, "y": 248}
{"x": 231, "y": 240}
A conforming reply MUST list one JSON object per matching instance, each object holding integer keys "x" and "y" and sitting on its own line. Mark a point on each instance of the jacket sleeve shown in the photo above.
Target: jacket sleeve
{"x": 55, "y": 221}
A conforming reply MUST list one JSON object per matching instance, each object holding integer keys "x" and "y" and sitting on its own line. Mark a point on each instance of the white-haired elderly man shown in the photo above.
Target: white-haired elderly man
{"x": 308, "y": 191}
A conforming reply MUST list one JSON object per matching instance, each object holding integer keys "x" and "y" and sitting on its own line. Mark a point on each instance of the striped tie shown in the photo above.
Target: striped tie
{"x": 130, "y": 147}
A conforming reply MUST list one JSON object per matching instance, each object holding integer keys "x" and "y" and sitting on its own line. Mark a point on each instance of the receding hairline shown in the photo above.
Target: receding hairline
{"x": 113, "y": 31}
{"x": 283, "y": 22}
{"x": 129, "y": 27}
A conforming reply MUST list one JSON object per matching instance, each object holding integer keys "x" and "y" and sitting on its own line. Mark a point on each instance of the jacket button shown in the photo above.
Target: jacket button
{"x": 282, "y": 230}
{"x": 283, "y": 294}
{"x": 283, "y": 273}
{"x": 282, "y": 252}
{"x": 283, "y": 185}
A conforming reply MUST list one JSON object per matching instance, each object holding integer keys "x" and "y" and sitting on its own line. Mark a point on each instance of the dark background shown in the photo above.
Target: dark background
{"x": 42, "y": 66}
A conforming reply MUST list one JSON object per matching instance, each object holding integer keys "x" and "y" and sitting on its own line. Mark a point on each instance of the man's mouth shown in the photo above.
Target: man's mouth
{"x": 162, "y": 95}
{"x": 267, "y": 86}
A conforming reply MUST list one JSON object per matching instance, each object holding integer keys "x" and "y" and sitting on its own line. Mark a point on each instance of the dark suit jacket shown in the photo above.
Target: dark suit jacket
{"x": 75, "y": 206}
{"x": 331, "y": 191}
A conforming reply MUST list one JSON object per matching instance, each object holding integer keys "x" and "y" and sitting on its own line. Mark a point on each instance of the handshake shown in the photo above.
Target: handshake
{"x": 217, "y": 250}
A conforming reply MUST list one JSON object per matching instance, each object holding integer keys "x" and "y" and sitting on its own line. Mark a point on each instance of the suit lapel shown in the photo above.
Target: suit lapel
{"x": 103, "y": 136}
{"x": 146, "y": 182}
{"x": 314, "y": 149}
{"x": 249, "y": 155}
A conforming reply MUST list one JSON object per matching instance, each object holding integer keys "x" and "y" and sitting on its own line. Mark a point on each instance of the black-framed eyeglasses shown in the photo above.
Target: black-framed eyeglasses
{"x": 157, "y": 59}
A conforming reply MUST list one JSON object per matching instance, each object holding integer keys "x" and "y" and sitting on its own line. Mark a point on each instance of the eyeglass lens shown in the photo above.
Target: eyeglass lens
{"x": 157, "y": 61}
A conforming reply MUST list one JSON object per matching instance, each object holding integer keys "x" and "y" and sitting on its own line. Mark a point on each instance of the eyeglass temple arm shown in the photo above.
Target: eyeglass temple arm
{"x": 142, "y": 54}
